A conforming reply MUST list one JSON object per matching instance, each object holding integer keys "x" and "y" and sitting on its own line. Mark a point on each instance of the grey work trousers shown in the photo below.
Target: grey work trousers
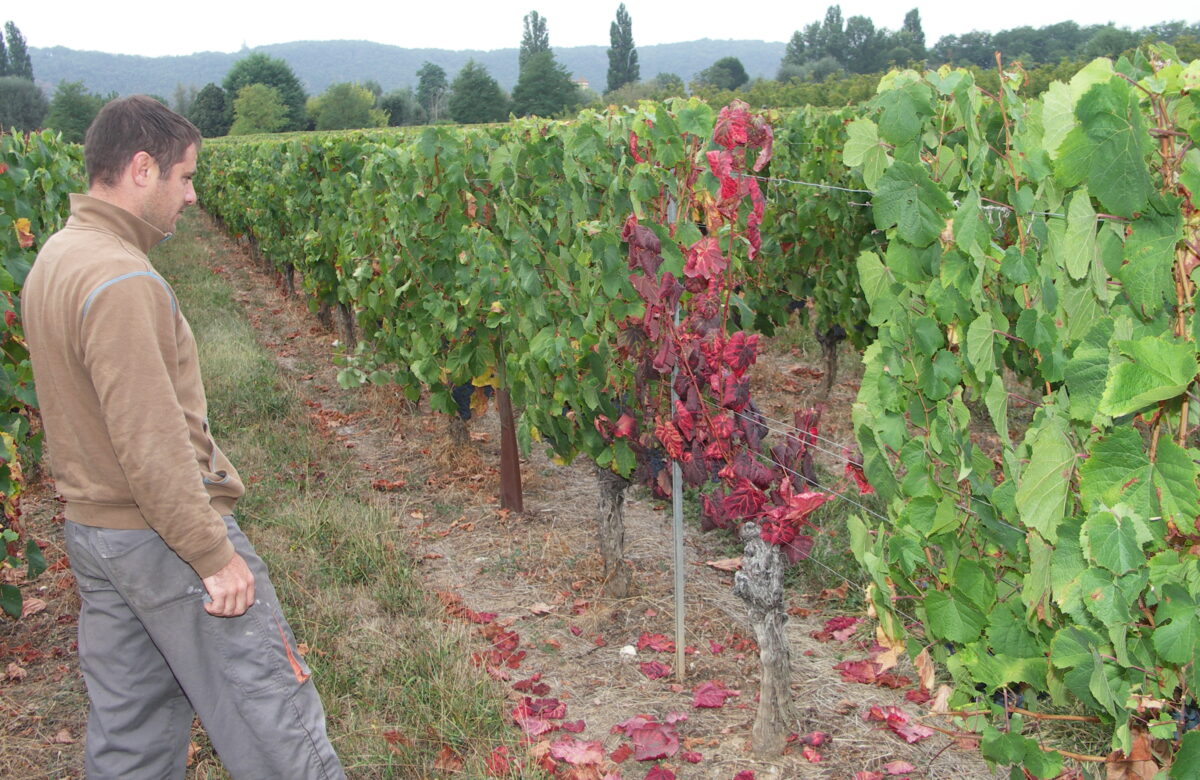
{"x": 151, "y": 654}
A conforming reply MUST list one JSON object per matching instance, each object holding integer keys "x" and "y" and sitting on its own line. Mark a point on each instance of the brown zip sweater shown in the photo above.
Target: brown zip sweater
{"x": 118, "y": 383}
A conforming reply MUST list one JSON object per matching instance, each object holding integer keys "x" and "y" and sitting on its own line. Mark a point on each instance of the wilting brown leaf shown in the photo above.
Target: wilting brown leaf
{"x": 893, "y": 648}
{"x": 14, "y": 673}
{"x": 448, "y": 760}
{"x": 541, "y": 608}
{"x": 941, "y": 699}
{"x": 1139, "y": 765}
{"x": 925, "y": 671}
{"x": 725, "y": 564}
{"x": 32, "y": 607}
{"x": 63, "y": 737}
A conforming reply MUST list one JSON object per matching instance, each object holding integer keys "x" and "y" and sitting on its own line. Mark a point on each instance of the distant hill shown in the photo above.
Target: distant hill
{"x": 320, "y": 63}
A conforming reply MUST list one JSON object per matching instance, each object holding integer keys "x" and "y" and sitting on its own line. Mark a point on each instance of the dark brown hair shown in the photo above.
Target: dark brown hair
{"x": 130, "y": 125}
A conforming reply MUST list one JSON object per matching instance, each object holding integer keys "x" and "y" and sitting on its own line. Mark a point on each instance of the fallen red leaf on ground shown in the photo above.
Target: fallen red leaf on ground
{"x": 711, "y": 694}
{"x": 577, "y": 752}
{"x": 655, "y": 670}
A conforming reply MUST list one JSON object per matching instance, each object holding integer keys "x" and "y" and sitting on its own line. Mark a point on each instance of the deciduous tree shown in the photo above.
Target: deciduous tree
{"x": 402, "y": 108}
{"x": 19, "y": 64}
{"x": 544, "y": 88}
{"x": 345, "y": 106}
{"x": 263, "y": 69}
{"x": 622, "y": 56}
{"x": 72, "y": 110}
{"x": 431, "y": 90}
{"x": 211, "y": 111}
{"x": 725, "y": 73}
{"x": 22, "y": 104}
{"x": 258, "y": 108}
{"x": 535, "y": 40}
{"x": 476, "y": 97}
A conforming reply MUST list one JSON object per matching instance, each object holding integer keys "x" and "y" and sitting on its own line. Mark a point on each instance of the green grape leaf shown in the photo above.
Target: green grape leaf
{"x": 1115, "y": 541}
{"x": 864, "y": 150}
{"x": 1146, "y": 276}
{"x": 1175, "y": 475}
{"x": 1178, "y": 628}
{"x": 1073, "y": 646}
{"x": 10, "y": 600}
{"x": 1085, "y": 375}
{"x": 953, "y": 618}
{"x": 981, "y": 341}
{"x": 910, "y": 201}
{"x": 1106, "y": 684}
{"x": 1118, "y": 471}
{"x": 1187, "y": 760}
{"x": 1044, "y": 764}
{"x": 1002, "y": 747}
{"x": 1008, "y": 635}
{"x": 1046, "y": 481}
{"x": 1159, "y": 368}
{"x": 1058, "y": 116}
{"x": 971, "y": 233}
{"x": 35, "y": 559}
{"x": 1107, "y": 149}
{"x": 1080, "y": 238}
{"x": 1103, "y": 597}
{"x": 878, "y": 286}
{"x": 997, "y": 406}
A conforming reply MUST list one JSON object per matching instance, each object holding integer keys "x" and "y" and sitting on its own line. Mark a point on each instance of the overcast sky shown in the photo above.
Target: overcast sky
{"x": 158, "y": 28}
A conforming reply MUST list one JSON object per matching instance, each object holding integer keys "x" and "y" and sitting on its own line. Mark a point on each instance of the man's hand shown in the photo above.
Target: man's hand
{"x": 231, "y": 589}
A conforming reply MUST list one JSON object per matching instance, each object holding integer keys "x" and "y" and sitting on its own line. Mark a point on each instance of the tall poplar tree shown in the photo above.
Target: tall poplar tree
{"x": 19, "y": 64}
{"x": 431, "y": 89}
{"x": 622, "y": 56}
{"x": 3, "y": 58}
{"x": 536, "y": 38}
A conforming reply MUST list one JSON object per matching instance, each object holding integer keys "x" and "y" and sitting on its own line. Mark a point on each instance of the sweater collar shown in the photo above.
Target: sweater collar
{"x": 94, "y": 212}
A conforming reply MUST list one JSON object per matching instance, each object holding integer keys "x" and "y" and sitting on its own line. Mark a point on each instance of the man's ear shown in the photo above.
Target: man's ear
{"x": 143, "y": 169}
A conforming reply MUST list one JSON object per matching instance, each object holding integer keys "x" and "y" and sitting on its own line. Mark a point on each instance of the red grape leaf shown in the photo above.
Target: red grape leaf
{"x": 705, "y": 259}
{"x": 497, "y": 762}
{"x": 710, "y": 694}
{"x": 864, "y": 672}
{"x": 659, "y": 643}
{"x": 733, "y": 125}
{"x": 898, "y": 767}
{"x": 577, "y": 752}
{"x": 740, "y": 352}
{"x": 666, "y": 432}
{"x": 660, "y": 773}
{"x": 654, "y": 740}
{"x": 691, "y": 756}
{"x": 655, "y": 670}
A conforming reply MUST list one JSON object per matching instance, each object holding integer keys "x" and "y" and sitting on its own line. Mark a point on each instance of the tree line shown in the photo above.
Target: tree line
{"x": 831, "y": 61}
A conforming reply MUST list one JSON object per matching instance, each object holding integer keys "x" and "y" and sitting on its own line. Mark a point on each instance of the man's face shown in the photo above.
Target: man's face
{"x": 172, "y": 193}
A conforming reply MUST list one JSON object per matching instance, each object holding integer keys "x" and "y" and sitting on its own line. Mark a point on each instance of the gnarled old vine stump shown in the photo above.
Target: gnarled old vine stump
{"x": 759, "y": 584}
{"x": 610, "y": 529}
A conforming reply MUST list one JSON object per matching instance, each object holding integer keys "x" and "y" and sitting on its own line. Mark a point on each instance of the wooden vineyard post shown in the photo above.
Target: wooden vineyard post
{"x": 759, "y": 583}
{"x": 510, "y": 459}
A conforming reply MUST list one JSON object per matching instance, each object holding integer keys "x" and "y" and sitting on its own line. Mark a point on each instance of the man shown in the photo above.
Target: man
{"x": 177, "y": 610}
